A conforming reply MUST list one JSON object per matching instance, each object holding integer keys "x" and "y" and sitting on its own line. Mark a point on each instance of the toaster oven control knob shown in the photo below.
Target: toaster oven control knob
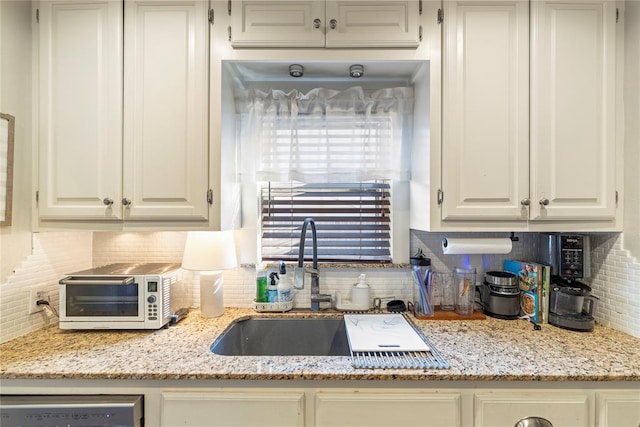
{"x": 151, "y": 299}
{"x": 544, "y": 202}
{"x": 126, "y": 202}
{"x": 107, "y": 201}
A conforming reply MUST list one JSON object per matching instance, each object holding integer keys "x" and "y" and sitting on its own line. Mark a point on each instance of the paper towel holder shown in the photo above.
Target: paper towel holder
{"x": 513, "y": 237}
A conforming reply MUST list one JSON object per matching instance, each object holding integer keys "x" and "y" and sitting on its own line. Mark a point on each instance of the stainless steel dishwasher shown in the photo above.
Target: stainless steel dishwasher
{"x": 71, "y": 410}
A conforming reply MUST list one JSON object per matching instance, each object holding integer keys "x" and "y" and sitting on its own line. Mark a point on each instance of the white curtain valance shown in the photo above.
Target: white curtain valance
{"x": 325, "y": 135}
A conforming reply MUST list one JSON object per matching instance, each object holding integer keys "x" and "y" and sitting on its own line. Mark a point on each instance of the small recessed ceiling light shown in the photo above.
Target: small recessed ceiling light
{"x": 296, "y": 70}
{"x": 356, "y": 71}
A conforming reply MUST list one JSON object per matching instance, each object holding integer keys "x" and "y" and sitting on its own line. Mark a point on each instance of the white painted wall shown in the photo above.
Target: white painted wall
{"x": 631, "y": 235}
{"x": 15, "y": 99}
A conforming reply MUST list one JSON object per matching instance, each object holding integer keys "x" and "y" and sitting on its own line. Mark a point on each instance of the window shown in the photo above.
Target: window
{"x": 353, "y": 221}
{"x": 329, "y": 155}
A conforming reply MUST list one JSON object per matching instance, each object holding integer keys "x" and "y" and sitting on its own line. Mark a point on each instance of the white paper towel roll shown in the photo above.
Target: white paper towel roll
{"x": 453, "y": 246}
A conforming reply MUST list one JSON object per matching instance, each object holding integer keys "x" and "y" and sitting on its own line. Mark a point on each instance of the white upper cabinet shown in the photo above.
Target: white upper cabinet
{"x": 573, "y": 137}
{"x": 287, "y": 23}
{"x": 372, "y": 23}
{"x": 166, "y": 154}
{"x": 320, "y": 23}
{"x": 530, "y": 143}
{"x": 123, "y": 101}
{"x": 485, "y": 141}
{"x": 80, "y": 109}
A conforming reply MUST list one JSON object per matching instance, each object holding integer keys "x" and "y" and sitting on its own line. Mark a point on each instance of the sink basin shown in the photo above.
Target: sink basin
{"x": 281, "y": 336}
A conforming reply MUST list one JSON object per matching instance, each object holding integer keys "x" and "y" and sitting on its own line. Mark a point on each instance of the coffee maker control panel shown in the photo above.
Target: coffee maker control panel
{"x": 567, "y": 254}
{"x": 571, "y": 256}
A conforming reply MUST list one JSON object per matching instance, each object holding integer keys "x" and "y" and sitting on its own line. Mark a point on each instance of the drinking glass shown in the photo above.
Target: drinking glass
{"x": 443, "y": 285}
{"x": 465, "y": 286}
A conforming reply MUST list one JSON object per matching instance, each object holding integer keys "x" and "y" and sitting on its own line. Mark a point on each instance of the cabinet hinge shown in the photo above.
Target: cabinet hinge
{"x": 617, "y": 15}
{"x": 210, "y": 196}
{"x": 440, "y": 16}
{"x": 211, "y": 16}
{"x": 420, "y": 7}
{"x": 616, "y": 198}
{"x": 420, "y": 33}
{"x": 229, "y": 31}
{"x": 37, "y": 196}
{"x": 440, "y": 196}
{"x": 37, "y": 16}
{"x": 229, "y": 7}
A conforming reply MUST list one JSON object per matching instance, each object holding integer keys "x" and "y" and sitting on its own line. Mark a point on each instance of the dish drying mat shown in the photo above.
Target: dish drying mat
{"x": 390, "y": 341}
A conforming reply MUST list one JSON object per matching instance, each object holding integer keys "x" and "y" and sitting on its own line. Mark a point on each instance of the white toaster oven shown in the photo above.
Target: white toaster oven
{"x": 122, "y": 296}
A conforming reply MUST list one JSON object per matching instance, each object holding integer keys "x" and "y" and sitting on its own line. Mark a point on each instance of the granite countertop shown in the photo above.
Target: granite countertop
{"x": 491, "y": 349}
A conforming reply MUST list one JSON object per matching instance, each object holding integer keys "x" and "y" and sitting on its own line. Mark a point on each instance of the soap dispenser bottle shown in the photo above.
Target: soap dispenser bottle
{"x": 284, "y": 286}
{"x": 261, "y": 283}
{"x": 361, "y": 294}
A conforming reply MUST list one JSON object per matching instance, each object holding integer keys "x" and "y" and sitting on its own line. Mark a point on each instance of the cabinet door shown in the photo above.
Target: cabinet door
{"x": 573, "y": 140}
{"x": 485, "y": 148}
{"x": 386, "y": 408}
{"x": 281, "y": 23}
{"x": 372, "y": 23}
{"x": 80, "y": 109}
{"x": 246, "y": 408}
{"x": 618, "y": 409}
{"x": 505, "y": 409}
{"x": 166, "y": 153}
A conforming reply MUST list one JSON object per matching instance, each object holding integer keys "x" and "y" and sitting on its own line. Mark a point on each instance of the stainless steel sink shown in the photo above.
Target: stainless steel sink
{"x": 283, "y": 336}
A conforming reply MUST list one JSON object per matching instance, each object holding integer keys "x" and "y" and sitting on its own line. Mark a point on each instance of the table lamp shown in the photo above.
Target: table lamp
{"x": 209, "y": 252}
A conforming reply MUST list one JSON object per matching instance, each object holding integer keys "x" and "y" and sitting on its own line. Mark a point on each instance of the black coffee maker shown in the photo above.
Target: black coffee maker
{"x": 571, "y": 305}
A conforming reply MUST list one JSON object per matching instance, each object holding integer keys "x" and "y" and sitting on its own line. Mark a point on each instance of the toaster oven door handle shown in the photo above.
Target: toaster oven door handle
{"x": 107, "y": 280}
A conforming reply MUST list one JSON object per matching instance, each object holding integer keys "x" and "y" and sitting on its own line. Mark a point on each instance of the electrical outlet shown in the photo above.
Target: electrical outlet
{"x": 37, "y": 293}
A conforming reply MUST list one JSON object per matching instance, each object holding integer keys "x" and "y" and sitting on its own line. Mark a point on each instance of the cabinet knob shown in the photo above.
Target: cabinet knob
{"x": 525, "y": 202}
{"x": 126, "y": 202}
{"x": 107, "y": 201}
{"x": 544, "y": 202}
{"x": 316, "y": 23}
{"x": 333, "y": 24}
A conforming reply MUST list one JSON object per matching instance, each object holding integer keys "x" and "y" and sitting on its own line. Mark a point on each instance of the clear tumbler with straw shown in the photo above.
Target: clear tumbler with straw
{"x": 423, "y": 289}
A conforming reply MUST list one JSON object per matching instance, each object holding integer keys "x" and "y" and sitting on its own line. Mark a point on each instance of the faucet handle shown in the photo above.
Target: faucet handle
{"x": 312, "y": 271}
{"x": 298, "y": 277}
{"x": 321, "y": 298}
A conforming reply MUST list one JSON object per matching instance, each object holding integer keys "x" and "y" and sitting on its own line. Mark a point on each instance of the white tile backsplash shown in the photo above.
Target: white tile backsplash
{"x": 53, "y": 255}
{"x": 615, "y": 275}
{"x": 615, "y": 279}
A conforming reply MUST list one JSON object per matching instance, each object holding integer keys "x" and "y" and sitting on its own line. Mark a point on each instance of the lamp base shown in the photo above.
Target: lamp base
{"x": 211, "y": 296}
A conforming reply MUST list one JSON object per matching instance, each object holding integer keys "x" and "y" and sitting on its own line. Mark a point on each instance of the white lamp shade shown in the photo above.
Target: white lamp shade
{"x": 209, "y": 251}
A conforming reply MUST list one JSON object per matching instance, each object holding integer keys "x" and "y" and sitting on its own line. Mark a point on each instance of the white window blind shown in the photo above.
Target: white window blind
{"x": 353, "y": 221}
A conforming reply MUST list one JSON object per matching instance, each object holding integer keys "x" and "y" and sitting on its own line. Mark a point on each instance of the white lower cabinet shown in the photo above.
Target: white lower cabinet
{"x": 237, "y": 407}
{"x": 618, "y": 408}
{"x": 324, "y": 408}
{"x": 505, "y": 409}
{"x": 273, "y": 403}
{"x": 386, "y": 408}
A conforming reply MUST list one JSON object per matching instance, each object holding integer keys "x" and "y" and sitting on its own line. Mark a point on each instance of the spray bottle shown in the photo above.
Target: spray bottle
{"x": 284, "y": 286}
